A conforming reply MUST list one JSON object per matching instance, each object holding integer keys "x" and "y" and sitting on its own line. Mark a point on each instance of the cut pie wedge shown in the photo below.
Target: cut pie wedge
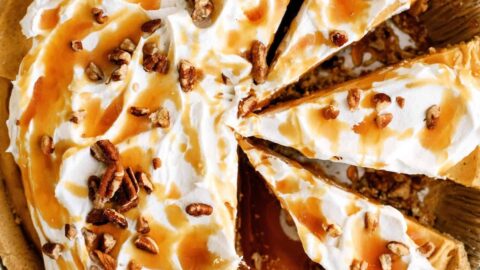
{"x": 341, "y": 230}
{"x": 419, "y": 117}
{"x": 322, "y": 28}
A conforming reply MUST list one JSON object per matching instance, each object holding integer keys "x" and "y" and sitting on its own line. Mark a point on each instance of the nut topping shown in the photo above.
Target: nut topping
{"x": 353, "y": 98}
{"x": 90, "y": 238}
{"x": 116, "y": 218}
{"x": 162, "y": 64}
{"x": 338, "y": 38}
{"x": 151, "y": 26}
{"x": 157, "y": 163}
{"x": 187, "y": 75}
{"x": 139, "y": 111}
{"x": 142, "y": 225}
{"x": 371, "y": 221}
{"x": 427, "y": 249}
{"x": 385, "y": 261}
{"x": 150, "y": 48}
{"x": 128, "y": 45}
{"x": 120, "y": 73}
{"x": 52, "y": 250}
{"x": 107, "y": 242}
{"x": 99, "y": 15}
{"x": 247, "y": 105}
{"x": 160, "y": 118}
{"x": 398, "y": 248}
{"x": 199, "y": 209}
{"x": 382, "y": 120}
{"x": 70, "y": 231}
{"x": 119, "y": 57}
{"x": 78, "y": 116}
{"x": 330, "y": 112}
{"x": 130, "y": 184}
{"x": 352, "y": 173}
{"x": 46, "y": 145}
{"x": 258, "y": 58}
{"x": 202, "y": 11}
{"x": 333, "y": 230}
{"x": 433, "y": 115}
{"x": 381, "y": 101}
{"x": 93, "y": 72}
{"x": 147, "y": 244}
{"x": 132, "y": 265}
{"x": 400, "y": 102}
{"x": 358, "y": 265}
{"x": 110, "y": 183}
{"x": 107, "y": 261}
{"x": 76, "y": 45}
{"x": 96, "y": 217}
{"x": 93, "y": 183}
{"x": 144, "y": 182}
{"x": 104, "y": 151}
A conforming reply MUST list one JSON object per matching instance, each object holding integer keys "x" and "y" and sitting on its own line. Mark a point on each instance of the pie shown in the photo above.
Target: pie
{"x": 127, "y": 119}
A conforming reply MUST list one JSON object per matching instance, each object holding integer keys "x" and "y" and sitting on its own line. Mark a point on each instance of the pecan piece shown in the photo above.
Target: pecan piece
{"x": 381, "y": 101}
{"x": 330, "y": 112}
{"x": 110, "y": 183}
{"x": 150, "y": 48}
{"x": 333, "y": 230}
{"x": 247, "y": 105}
{"x": 352, "y": 173}
{"x": 144, "y": 181}
{"x": 258, "y": 58}
{"x": 78, "y": 116}
{"x": 162, "y": 64}
{"x": 160, "y": 118}
{"x": 398, "y": 248}
{"x": 142, "y": 225}
{"x": 358, "y": 265}
{"x": 199, "y": 209}
{"x": 104, "y": 151}
{"x": 433, "y": 115}
{"x": 70, "y": 231}
{"x": 151, "y": 26}
{"x": 107, "y": 242}
{"x": 116, "y": 218}
{"x": 187, "y": 75}
{"x": 130, "y": 184}
{"x": 400, "y": 102}
{"x": 353, "y": 98}
{"x": 90, "y": 238}
{"x": 371, "y": 221}
{"x": 120, "y": 73}
{"x": 99, "y": 15}
{"x": 97, "y": 217}
{"x": 139, "y": 111}
{"x": 93, "y": 72}
{"x": 107, "y": 261}
{"x": 383, "y": 120}
{"x": 150, "y": 62}
{"x": 76, "y": 45}
{"x": 385, "y": 261}
{"x": 52, "y": 250}
{"x": 128, "y": 45}
{"x": 427, "y": 249}
{"x": 338, "y": 38}
{"x": 93, "y": 183}
{"x": 46, "y": 145}
{"x": 157, "y": 163}
{"x": 147, "y": 244}
{"x": 202, "y": 11}
{"x": 119, "y": 57}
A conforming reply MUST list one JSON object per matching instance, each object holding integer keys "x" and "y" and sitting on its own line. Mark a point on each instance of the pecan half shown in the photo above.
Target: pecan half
{"x": 90, "y": 238}
{"x": 157, "y": 163}
{"x": 142, "y": 225}
{"x": 371, "y": 221}
{"x": 258, "y": 58}
{"x": 398, "y": 248}
{"x": 330, "y": 112}
{"x": 116, "y": 218}
{"x": 99, "y": 15}
{"x": 120, "y": 73}
{"x": 432, "y": 116}
{"x": 76, "y": 45}
{"x": 128, "y": 45}
{"x": 107, "y": 261}
{"x": 127, "y": 205}
{"x": 139, "y": 111}
{"x": 199, "y": 209}
{"x": 130, "y": 184}
{"x": 52, "y": 250}
{"x": 247, "y": 105}
{"x": 97, "y": 217}
{"x": 381, "y": 101}
{"x": 110, "y": 183}
{"x": 385, "y": 261}
{"x": 187, "y": 75}
{"x": 147, "y": 244}
{"x": 46, "y": 145}
{"x": 151, "y": 26}
{"x": 94, "y": 73}
{"x": 78, "y": 116}
{"x": 400, "y": 102}
{"x": 353, "y": 98}
{"x": 144, "y": 181}
{"x": 70, "y": 231}
{"x": 383, "y": 120}
{"x": 107, "y": 242}
{"x": 119, "y": 57}
{"x": 338, "y": 38}
{"x": 104, "y": 151}
{"x": 202, "y": 11}
{"x": 160, "y": 118}
{"x": 358, "y": 265}
{"x": 427, "y": 249}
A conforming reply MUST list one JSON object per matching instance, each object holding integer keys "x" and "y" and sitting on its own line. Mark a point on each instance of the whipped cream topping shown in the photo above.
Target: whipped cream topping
{"x": 308, "y": 41}
{"x": 198, "y": 150}
{"x": 315, "y": 204}
{"x": 448, "y": 79}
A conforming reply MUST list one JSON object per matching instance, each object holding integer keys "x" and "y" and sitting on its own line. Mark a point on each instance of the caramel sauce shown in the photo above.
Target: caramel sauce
{"x": 50, "y": 18}
{"x": 193, "y": 154}
{"x": 349, "y": 12}
{"x": 137, "y": 158}
{"x": 352, "y": 209}
{"x": 77, "y": 190}
{"x": 148, "y": 4}
{"x": 309, "y": 213}
{"x": 174, "y": 192}
{"x": 372, "y": 138}
{"x": 291, "y": 128}
{"x": 329, "y": 129}
{"x": 97, "y": 122}
{"x": 287, "y": 186}
{"x": 176, "y": 216}
{"x": 257, "y": 14}
{"x": 119, "y": 234}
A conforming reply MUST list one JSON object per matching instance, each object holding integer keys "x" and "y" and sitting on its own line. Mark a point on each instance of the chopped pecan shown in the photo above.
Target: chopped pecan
{"x": 99, "y": 15}
{"x": 258, "y": 58}
{"x": 93, "y": 72}
{"x": 150, "y": 62}
{"x": 333, "y": 230}
{"x": 226, "y": 80}
{"x": 162, "y": 64}
{"x": 97, "y": 217}
{"x": 433, "y": 115}
{"x": 130, "y": 183}
{"x": 381, "y": 101}
{"x": 371, "y": 221}
{"x": 52, "y": 250}
{"x": 46, "y": 145}
{"x": 385, "y": 261}
{"x": 119, "y": 57}
{"x": 160, "y": 118}
{"x": 132, "y": 265}
{"x": 90, "y": 238}
{"x": 116, "y": 218}
{"x": 70, "y": 231}
{"x": 427, "y": 249}
{"x": 338, "y": 38}
{"x": 144, "y": 181}
{"x": 120, "y": 73}
{"x": 383, "y": 120}
{"x": 353, "y": 98}
{"x": 78, "y": 116}
{"x": 150, "y": 48}
{"x": 142, "y": 225}
{"x": 352, "y": 173}
{"x": 199, "y": 209}
{"x": 76, "y": 45}
{"x": 358, "y": 265}
{"x": 107, "y": 242}
{"x": 93, "y": 183}
{"x": 330, "y": 112}
{"x": 187, "y": 75}
{"x": 398, "y": 248}
{"x": 104, "y": 151}
{"x": 202, "y": 11}
{"x": 107, "y": 261}
{"x": 128, "y": 45}
{"x": 127, "y": 205}
{"x": 151, "y": 26}
{"x": 157, "y": 163}
{"x": 139, "y": 111}
{"x": 247, "y": 105}
{"x": 110, "y": 183}
{"x": 147, "y": 244}
{"x": 400, "y": 102}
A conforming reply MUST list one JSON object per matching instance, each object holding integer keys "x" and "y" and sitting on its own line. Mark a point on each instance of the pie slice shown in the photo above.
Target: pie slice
{"x": 321, "y": 29}
{"x": 342, "y": 230}
{"x": 419, "y": 117}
